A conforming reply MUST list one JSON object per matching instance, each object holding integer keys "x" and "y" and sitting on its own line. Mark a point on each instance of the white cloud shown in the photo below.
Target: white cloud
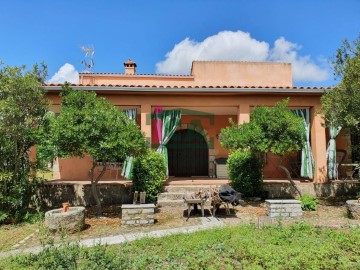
{"x": 225, "y": 46}
{"x": 304, "y": 69}
{"x": 67, "y": 73}
{"x": 240, "y": 46}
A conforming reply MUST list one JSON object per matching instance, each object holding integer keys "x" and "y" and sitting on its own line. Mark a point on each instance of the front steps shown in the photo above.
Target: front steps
{"x": 173, "y": 194}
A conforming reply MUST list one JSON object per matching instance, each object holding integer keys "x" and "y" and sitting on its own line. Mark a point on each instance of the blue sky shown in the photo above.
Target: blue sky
{"x": 165, "y": 36}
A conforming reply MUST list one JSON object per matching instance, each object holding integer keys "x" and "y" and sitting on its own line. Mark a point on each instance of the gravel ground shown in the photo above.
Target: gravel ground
{"x": 330, "y": 212}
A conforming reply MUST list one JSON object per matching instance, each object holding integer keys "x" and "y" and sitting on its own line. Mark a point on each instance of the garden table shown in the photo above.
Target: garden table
{"x": 195, "y": 202}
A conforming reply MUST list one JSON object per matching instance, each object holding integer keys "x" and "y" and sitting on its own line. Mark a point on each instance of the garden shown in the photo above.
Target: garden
{"x": 298, "y": 246}
{"x": 324, "y": 237}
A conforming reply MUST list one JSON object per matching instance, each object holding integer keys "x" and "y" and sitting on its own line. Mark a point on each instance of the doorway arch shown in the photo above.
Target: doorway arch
{"x": 188, "y": 154}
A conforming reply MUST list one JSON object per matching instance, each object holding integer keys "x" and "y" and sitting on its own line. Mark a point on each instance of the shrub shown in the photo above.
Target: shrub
{"x": 16, "y": 196}
{"x": 308, "y": 202}
{"x": 149, "y": 173}
{"x": 245, "y": 173}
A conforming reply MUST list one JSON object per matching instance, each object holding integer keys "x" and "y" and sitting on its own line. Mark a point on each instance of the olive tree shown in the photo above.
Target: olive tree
{"x": 271, "y": 129}
{"x": 341, "y": 106}
{"x": 89, "y": 125}
{"x": 22, "y": 109}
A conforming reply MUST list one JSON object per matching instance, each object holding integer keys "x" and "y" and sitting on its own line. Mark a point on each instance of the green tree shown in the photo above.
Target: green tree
{"x": 93, "y": 126}
{"x": 22, "y": 109}
{"x": 341, "y": 105}
{"x": 271, "y": 129}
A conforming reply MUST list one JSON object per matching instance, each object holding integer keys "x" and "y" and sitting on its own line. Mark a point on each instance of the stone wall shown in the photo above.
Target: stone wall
{"x": 285, "y": 190}
{"x": 53, "y": 195}
{"x": 137, "y": 214}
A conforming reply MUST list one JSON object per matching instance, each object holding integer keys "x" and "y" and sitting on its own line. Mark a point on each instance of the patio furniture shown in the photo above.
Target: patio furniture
{"x": 350, "y": 172}
{"x": 224, "y": 195}
{"x": 195, "y": 199}
{"x": 340, "y": 157}
{"x": 221, "y": 170}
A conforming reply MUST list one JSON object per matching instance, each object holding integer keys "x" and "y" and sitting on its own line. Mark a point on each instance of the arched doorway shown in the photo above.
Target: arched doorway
{"x": 188, "y": 154}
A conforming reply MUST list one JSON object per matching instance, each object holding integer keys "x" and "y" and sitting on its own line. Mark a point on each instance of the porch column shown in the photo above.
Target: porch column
{"x": 145, "y": 113}
{"x": 243, "y": 113}
{"x": 318, "y": 145}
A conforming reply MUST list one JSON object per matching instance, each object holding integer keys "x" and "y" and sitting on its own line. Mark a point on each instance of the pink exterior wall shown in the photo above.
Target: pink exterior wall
{"x": 243, "y": 102}
{"x": 242, "y": 73}
{"x": 206, "y": 74}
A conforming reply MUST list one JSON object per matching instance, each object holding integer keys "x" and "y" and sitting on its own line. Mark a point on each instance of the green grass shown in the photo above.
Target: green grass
{"x": 299, "y": 246}
{"x": 13, "y": 234}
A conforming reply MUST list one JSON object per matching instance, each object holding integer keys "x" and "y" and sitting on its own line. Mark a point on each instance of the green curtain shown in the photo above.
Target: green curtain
{"x": 331, "y": 153}
{"x": 170, "y": 121}
{"x": 307, "y": 159}
{"x": 127, "y": 168}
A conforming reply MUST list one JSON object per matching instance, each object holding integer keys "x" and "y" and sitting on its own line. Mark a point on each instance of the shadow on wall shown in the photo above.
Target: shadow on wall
{"x": 53, "y": 195}
{"x": 286, "y": 191}
{"x": 322, "y": 178}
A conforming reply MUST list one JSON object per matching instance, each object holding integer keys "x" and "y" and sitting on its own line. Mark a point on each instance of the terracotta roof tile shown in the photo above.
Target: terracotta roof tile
{"x": 193, "y": 86}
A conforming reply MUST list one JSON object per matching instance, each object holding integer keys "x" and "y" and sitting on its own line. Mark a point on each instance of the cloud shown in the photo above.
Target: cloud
{"x": 67, "y": 73}
{"x": 304, "y": 69}
{"x": 225, "y": 46}
{"x": 240, "y": 46}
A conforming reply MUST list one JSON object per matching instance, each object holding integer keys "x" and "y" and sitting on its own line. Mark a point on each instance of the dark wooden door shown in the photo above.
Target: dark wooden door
{"x": 188, "y": 154}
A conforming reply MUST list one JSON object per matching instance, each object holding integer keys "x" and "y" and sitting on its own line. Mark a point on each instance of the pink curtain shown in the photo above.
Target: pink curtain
{"x": 157, "y": 125}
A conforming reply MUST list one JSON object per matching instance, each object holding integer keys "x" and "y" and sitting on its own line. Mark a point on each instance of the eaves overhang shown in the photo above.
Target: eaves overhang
{"x": 167, "y": 90}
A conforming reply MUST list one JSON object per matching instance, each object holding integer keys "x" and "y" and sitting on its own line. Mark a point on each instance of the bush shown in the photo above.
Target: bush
{"x": 16, "y": 197}
{"x": 308, "y": 202}
{"x": 245, "y": 173}
{"x": 149, "y": 173}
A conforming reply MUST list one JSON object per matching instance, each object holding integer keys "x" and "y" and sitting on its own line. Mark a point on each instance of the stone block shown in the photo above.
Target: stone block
{"x": 150, "y": 217}
{"x": 134, "y": 211}
{"x": 274, "y": 215}
{"x": 148, "y": 210}
{"x": 144, "y": 221}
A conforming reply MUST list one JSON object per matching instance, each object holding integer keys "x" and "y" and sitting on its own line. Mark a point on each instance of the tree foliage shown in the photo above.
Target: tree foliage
{"x": 22, "y": 109}
{"x": 89, "y": 125}
{"x": 271, "y": 129}
{"x": 341, "y": 105}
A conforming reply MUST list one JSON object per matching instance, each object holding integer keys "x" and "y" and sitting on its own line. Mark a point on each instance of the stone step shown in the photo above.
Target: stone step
{"x": 185, "y": 189}
{"x": 171, "y": 196}
{"x": 165, "y": 203}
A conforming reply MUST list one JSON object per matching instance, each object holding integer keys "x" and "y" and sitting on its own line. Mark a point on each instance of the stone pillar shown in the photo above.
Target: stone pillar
{"x": 243, "y": 113}
{"x": 146, "y": 121}
{"x": 137, "y": 214}
{"x": 318, "y": 145}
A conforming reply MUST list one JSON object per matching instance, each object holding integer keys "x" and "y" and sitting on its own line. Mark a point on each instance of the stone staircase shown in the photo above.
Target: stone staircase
{"x": 173, "y": 194}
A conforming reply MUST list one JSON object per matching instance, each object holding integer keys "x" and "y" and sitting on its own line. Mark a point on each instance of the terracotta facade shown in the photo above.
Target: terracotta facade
{"x": 208, "y": 97}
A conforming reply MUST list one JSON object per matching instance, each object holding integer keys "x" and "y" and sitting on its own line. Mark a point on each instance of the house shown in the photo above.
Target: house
{"x": 212, "y": 93}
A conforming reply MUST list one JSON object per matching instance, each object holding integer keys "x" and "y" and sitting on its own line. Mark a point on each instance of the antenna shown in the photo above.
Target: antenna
{"x": 88, "y": 61}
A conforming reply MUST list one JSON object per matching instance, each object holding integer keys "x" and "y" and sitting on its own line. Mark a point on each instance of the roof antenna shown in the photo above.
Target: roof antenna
{"x": 88, "y": 61}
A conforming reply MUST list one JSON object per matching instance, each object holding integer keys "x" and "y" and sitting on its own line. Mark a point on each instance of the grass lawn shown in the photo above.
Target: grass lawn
{"x": 299, "y": 246}
{"x": 13, "y": 234}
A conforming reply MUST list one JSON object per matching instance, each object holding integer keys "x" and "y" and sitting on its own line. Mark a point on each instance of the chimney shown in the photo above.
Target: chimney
{"x": 130, "y": 67}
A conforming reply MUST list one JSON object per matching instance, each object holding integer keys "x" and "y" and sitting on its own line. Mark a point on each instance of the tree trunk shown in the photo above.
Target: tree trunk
{"x": 289, "y": 176}
{"x": 94, "y": 189}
